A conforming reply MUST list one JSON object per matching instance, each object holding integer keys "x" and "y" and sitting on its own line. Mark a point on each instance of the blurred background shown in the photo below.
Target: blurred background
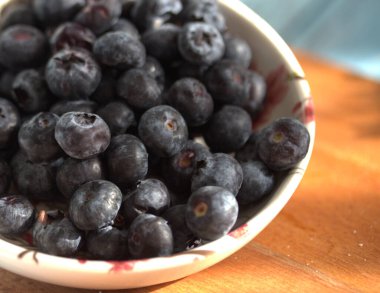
{"x": 346, "y": 32}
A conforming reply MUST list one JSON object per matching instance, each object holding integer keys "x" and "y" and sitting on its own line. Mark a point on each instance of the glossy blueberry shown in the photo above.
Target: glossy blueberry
{"x": 238, "y": 50}
{"x": 154, "y": 69}
{"x": 163, "y": 130}
{"x": 283, "y": 143}
{"x": 118, "y": 116}
{"x": 200, "y": 43}
{"x": 228, "y": 129}
{"x": 126, "y": 26}
{"x": 99, "y": 15}
{"x": 257, "y": 93}
{"x": 19, "y": 13}
{"x": 72, "y": 74}
{"x": 22, "y": 46}
{"x": 258, "y": 181}
{"x": 30, "y": 91}
{"x": 218, "y": 170}
{"x": 150, "y": 14}
{"x": 95, "y": 205}
{"x": 9, "y": 122}
{"x": 73, "y": 173}
{"x": 249, "y": 151}
{"x": 64, "y": 107}
{"x": 139, "y": 89}
{"x": 119, "y": 50}
{"x": 5, "y": 176}
{"x": 82, "y": 135}
{"x": 108, "y": 243}
{"x": 56, "y": 236}
{"x": 106, "y": 91}
{"x": 178, "y": 170}
{"x": 150, "y": 196}
{"x": 191, "y": 99}
{"x": 161, "y": 43}
{"x": 150, "y": 236}
{"x": 36, "y": 138}
{"x": 16, "y": 215}
{"x": 211, "y": 212}
{"x": 72, "y": 35}
{"x": 127, "y": 160}
{"x": 57, "y": 11}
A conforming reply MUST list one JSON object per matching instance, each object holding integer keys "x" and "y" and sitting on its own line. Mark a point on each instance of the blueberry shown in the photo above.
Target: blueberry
{"x": 64, "y": 107}
{"x": 72, "y": 35}
{"x": 150, "y": 196}
{"x": 72, "y": 74}
{"x": 22, "y": 46}
{"x": 249, "y": 151}
{"x": 30, "y": 91}
{"x": 126, "y": 26}
{"x": 106, "y": 91}
{"x": 36, "y": 138}
{"x": 56, "y": 236}
{"x": 191, "y": 99}
{"x": 139, "y": 89}
{"x": 211, "y": 212}
{"x": 127, "y": 160}
{"x": 154, "y": 69}
{"x": 19, "y": 13}
{"x": 178, "y": 170}
{"x": 149, "y": 236}
{"x": 73, "y": 173}
{"x": 200, "y": 43}
{"x": 108, "y": 243}
{"x": 161, "y": 43}
{"x": 257, "y": 93}
{"x": 187, "y": 69}
{"x": 9, "y": 122}
{"x": 57, "y": 11}
{"x": 119, "y": 50}
{"x": 150, "y": 14}
{"x": 283, "y": 143}
{"x": 95, "y": 205}
{"x": 82, "y": 135}
{"x": 16, "y": 215}
{"x": 218, "y": 170}
{"x": 228, "y": 129}
{"x": 163, "y": 130}
{"x": 5, "y": 176}
{"x": 258, "y": 181}
{"x": 99, "y": 15}
{"x": 118, "y": 116}
{"x": 238, "y": 50}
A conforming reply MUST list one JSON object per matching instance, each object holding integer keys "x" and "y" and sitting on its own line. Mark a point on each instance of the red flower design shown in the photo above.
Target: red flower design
{"x": 304, "y": 110}
{"x": 119, "y": 266}
{"x": 239, "y": 232}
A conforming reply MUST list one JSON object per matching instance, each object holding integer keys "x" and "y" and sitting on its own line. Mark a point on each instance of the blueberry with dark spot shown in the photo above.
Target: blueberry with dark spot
{"x": 119, "y": 50}
{"x": 65, "y": 106}
{"x": 218, "y": 170}
{"x": 150, "y": 236}
{"x": 19, "y": 13}
{"x": 155, "y": 70}
{"x": 258, "y": 181}
{"x": 211, "y": 212}
{"x": 9, "y": 122}
{"x": 5, "y": 176}
{"x": 56, "y": 236}
{"x": 108, "y": 243}
{"x": 95, "y": 205}
{"x": 30, "y": 91}
{"x": 257, "y": 93}
{"x": 73, "y": 173}
{"x": 238, "y": 50}
{"x": 126, "y": 26}
{"x": 150, "y": 14}
{"x": 82, "y": 135}
{"x": 283, "y": 143}
{"x": 127, "y": 160}
{"x": 99, "y": 15}
{"x": 163, "y": 130}
{"x": 73, "y": 74}
{"x": 16, "y": 214}
{"x": 36, "y": 138}
{"x": 139, "y": 89}
{"x": 249, "y": 151}
{"x": 150, "y": 196}
{"x": 118, "y": 116}
{"x": 228, "y": 129}
{"x": 200, "y": 43}
{"x": 72, "y": 35}
{"x": 22, "y": 46}
{"x": 191, "y": 99}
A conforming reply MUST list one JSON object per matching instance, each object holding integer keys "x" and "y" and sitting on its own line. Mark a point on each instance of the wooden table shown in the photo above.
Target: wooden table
{"x": 327, "y": 239}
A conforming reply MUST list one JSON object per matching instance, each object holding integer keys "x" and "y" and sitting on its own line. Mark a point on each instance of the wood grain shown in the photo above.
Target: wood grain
{"x": 327, "y": 238}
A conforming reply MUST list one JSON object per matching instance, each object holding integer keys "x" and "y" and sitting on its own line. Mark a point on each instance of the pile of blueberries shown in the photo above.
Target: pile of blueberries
{"x": 131, "y": 120}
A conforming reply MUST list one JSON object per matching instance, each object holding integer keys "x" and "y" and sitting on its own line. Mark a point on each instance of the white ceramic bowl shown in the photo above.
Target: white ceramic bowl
{"x": 289, "y": 95}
